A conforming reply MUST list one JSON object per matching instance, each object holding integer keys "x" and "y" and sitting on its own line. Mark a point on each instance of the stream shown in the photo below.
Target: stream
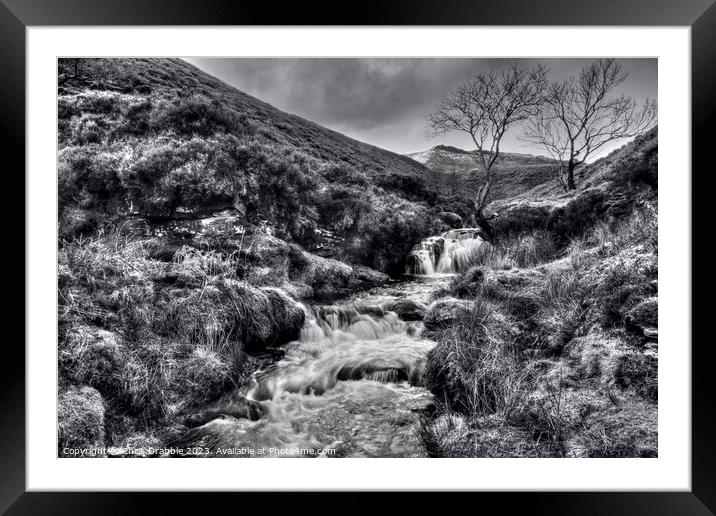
{"x": 352, "y": 385}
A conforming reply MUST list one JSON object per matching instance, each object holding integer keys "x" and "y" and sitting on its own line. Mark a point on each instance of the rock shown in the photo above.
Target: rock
{"x": 287, "y": 319}
{"x": 297, "y": 290}
{"x": 452, "y": 219}
{"x": 80, "y": 416}
{"x": 444, "y": 312}
{"x": 407, "y": 309}
{"x": 466, "y": 233}
{"x": 252, "y": 317}
{"x": 372, "y": 310}
{"x": 365, "y": 276}
{"x": 327, "y": 277}
{"x": 237, "y": 407}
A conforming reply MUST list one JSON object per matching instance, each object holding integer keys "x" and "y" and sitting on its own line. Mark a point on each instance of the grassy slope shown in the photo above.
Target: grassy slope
{"x": 554, "y": 348}
{"x": 611, "y": 187}
{"x": 167, "y": 78}
{"x": 160, "y": 139}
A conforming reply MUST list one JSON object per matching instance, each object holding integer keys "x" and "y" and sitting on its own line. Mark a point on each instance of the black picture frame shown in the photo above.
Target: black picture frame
{"x": 700, "y": 15}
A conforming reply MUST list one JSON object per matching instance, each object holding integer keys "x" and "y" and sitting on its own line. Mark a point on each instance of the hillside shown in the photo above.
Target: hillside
{"x": 611, "y": 187}
{"x": 548, "y": 340}
{"x": 460, "y": 172}
{"x": 160, "y": 140}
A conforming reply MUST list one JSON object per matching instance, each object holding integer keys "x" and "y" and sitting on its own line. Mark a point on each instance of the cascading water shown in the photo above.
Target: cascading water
{"x": 444, "y": 254}
{"x": 350, "y": 386}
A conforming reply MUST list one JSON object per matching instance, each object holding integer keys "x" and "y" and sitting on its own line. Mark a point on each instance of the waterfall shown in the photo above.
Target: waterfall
{"x": 351, "y": 385}
{"x": 444, "y": 254}
{"x": 346, "y": 342}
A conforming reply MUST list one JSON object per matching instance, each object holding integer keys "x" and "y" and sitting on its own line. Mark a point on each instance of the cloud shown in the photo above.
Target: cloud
{"x": 382, "y": 101}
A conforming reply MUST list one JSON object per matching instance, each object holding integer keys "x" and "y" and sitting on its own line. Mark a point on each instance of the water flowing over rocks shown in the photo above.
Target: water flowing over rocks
{"x": 350, "y": 385}
{"x": 445, "y": 254}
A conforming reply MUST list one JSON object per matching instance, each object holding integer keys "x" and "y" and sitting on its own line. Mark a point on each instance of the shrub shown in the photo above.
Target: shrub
{"x": 387, "y": 237}
{"x": 80, "y": 415}
{"x": 229, "y": 315}
{"x": 137, "y": 116}
{"x": 464, "y": 286}
{"x": 473, "y": 369}
{"x": 195, "y": 114}
{"x": 631, "y": 369}
{"x": 206, "y": 374}
{"x": 625, "y": 429}
{"x": 92, "y": 356}
{"x": 146, "y": 382}
{"x": 623, "y": 285}
{"x": 88, "y": 129}
{"x": 411, "y": 187}
{"x": 639, "y": 228}
{"x": 533, "y": 249}
{"x": 522, "y": 250}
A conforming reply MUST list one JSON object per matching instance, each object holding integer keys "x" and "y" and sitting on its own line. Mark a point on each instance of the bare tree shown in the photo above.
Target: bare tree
{"x": 485, "y": 107}
{"x": 580, "y": 116}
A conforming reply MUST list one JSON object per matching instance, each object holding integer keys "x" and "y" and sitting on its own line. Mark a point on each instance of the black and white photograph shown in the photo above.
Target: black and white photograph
{"x": 357, "y": 257}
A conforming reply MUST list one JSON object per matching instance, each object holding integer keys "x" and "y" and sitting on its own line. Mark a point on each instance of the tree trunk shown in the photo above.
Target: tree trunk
{"x": 480, "y": 204}
{"x": 484, "y": 224}
{"x": 570, "y": 176}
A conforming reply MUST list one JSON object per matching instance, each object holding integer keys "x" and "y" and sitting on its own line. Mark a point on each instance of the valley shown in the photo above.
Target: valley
{"x": 233, "y": 277}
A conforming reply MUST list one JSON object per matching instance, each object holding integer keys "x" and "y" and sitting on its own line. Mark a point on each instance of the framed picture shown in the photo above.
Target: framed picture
{"x": 429, "y": 242}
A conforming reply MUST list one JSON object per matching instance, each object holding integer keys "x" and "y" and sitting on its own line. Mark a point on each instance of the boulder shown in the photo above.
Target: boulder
{"x": 450, "y": 218}
{"x": 236, "y": 311}
{"x": 80, "y": 417}
{"x": 297, "y": 290}
{"x": 236, "y": 406}
{"x": 444, "y": 312}
{"x": 365, "y": 276}
{"x": 327, "y": 277}
{"x": 407, "y": 309}
{"x": 288, "y": 317}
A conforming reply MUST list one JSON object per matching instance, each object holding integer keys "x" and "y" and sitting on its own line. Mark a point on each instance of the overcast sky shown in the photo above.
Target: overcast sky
{"x": 384, "y": 101}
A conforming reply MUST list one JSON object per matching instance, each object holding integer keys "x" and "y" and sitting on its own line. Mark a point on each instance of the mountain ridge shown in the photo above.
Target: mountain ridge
{"x": 475, "y": 153}
{"x": 460, "y": 172}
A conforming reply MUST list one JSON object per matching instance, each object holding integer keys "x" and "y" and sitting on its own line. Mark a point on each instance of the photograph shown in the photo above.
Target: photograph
{"x": 357, "y": 257}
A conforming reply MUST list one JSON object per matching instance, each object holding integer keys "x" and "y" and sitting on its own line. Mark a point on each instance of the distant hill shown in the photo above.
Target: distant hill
{"x": 445, "y": 158}
{"x": 460, "y": 171}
